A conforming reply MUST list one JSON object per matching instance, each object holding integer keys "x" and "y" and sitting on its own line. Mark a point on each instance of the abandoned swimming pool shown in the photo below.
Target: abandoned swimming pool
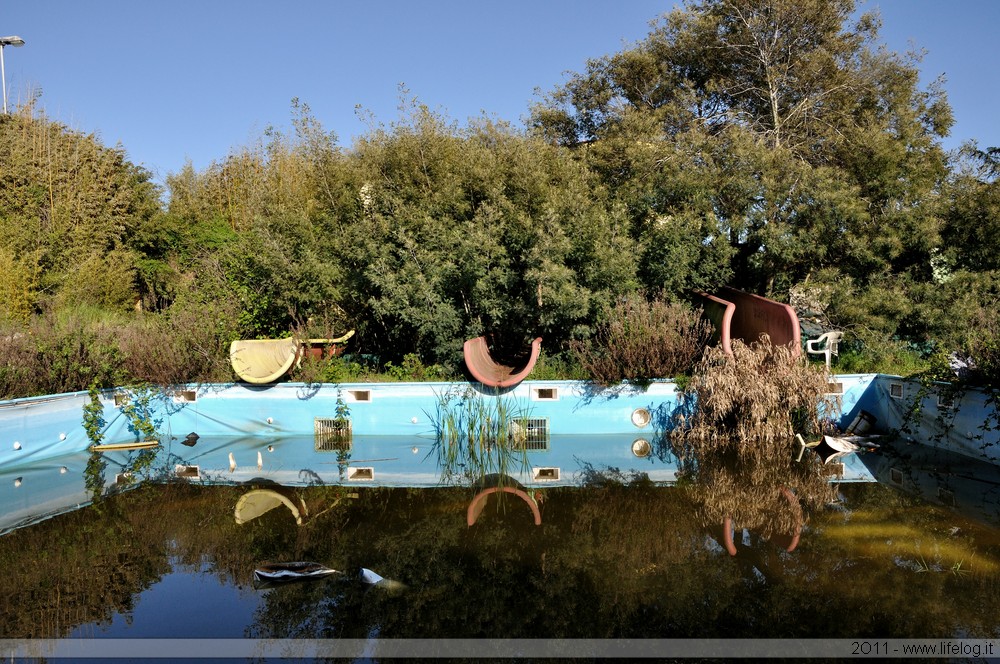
{"x": 295, "y": 434}
{"x": 909, "y": 549}
{"x": 287, "y": 433}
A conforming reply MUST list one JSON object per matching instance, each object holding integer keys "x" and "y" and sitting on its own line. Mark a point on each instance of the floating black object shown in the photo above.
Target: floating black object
{"x": 190, "y": 439}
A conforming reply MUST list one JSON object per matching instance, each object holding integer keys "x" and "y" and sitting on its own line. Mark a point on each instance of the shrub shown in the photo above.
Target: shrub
{"x": 642, "y": 339}
{"x": 983, "y": 345}
{"x": 735, "y": 436}
{"x": 867, "y": 351}
{"x": 60, "y": 352}
{"x": 172, "y": 350}
{"x": 75, "y": 348}
{"x": 559, "y": 366}
{"x": 354, "y": 368}
{"x": 18, "y": 372}
{"x": 412, "y": 369}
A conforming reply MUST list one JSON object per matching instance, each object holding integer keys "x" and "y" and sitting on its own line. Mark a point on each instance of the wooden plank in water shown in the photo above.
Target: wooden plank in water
{"x": 112, "y": 447}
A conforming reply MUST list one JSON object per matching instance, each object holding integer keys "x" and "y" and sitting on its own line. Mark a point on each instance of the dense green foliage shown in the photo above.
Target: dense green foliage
{"x": 770, "y": 145}
{"x": 804, "y": 153}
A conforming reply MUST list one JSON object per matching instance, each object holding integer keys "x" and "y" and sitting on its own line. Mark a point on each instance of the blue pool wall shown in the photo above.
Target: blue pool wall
{"x": 35, "y": 428}
{"x": 963, "y": 420}
{"x": 251, "y": 434}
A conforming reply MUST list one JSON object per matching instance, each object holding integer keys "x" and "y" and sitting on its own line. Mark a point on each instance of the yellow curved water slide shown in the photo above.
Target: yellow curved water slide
{"x": 261, "y": 361}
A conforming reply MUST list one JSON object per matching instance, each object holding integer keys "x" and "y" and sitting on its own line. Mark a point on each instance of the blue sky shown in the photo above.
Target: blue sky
{"x": 184, "y": 79}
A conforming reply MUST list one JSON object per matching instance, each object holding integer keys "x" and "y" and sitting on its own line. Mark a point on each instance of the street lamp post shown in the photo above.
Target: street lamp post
{"x": 13, "y": 40}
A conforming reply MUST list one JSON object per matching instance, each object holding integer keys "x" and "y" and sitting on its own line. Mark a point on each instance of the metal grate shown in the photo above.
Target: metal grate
{"x": 333, "y": 434}
{"x": 531, "y": 434}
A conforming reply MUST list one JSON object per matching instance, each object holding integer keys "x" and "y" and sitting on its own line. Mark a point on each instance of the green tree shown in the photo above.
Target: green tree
{"x": 773, "y": 140}
{"x": 454, "y": 233}
{"x": 972, "y": 229}
{"x": 70, "y": 208}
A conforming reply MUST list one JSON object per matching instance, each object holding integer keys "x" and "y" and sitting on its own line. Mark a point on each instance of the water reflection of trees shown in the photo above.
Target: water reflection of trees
{"x": 76, "y": 568}
{"x": 621, "y": 560}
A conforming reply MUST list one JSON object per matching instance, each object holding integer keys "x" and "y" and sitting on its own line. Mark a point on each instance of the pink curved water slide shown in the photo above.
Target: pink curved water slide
{"x": 489, "y": 372}
{"x": 745, "y": 316}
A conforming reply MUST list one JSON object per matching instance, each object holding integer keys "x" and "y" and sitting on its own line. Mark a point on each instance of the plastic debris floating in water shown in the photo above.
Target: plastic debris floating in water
{"x": 295, "y": 571}
{"x": 371, "y": 578}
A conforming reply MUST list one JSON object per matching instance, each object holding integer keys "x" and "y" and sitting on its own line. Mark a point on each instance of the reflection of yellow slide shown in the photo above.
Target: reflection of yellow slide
{"x": 260, "y": 501}
{"x": 266, "y": 360}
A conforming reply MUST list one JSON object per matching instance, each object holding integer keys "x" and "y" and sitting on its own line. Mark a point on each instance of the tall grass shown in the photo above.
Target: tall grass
{"x": 72, "y": 348}
{"x": 479, "y": 435}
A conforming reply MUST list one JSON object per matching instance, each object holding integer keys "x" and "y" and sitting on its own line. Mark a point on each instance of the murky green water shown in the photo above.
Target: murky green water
{"x": 608, "y": 561}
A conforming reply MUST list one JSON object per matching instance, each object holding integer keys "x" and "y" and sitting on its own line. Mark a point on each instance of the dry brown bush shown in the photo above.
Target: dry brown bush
{"x": 642, "y": 339}
{"x": 736, "y": 435}
{"x": 17, "y": 373}
{"x": 189, "y": 344}
{"x": 59, "y": 352}
{"x": 75, "y": 348}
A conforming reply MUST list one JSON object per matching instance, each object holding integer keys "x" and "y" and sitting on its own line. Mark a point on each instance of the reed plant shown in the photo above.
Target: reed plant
{"x": 479, "y": 435}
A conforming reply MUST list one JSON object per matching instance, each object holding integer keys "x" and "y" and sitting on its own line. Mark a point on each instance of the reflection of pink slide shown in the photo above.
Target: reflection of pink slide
{"x": 787, "y": 541}
{"x": 479, "y": 502}
{"x": 744, "y": 316}
{"x": 488, "y": 372}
